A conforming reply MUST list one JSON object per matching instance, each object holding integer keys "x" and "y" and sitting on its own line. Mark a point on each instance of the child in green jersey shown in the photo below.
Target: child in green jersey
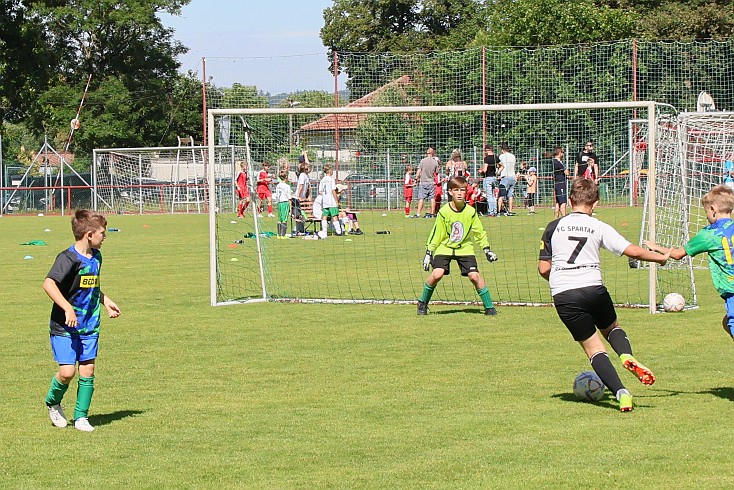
{"x": 457, "y": 223}
{"x": 718, "y": 240}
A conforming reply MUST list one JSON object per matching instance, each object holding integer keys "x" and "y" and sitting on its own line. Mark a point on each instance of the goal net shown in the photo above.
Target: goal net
{"x": 369, "y": 146}
{"x": 157, "y": 180}
{"x": 694, "y": 151}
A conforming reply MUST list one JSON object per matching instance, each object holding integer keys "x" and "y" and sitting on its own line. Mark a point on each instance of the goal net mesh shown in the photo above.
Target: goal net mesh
{"x": 370, "y": 152}
{"x": 155, "y": 180}
{"x": 692, "y": 153}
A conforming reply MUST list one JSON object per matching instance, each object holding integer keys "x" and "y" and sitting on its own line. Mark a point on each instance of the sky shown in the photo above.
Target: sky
{"x": 267, "y": 30}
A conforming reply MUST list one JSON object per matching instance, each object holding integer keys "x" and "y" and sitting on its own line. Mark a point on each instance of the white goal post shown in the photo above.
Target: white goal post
{"x": 370, "y": 147}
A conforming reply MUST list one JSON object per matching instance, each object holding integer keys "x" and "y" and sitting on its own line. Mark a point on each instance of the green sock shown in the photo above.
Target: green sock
{"x": 56, "y": 392}
{"x": 83, "y": 397}
{"x": 486, "y": 298}
{"x": 427, "y": 293}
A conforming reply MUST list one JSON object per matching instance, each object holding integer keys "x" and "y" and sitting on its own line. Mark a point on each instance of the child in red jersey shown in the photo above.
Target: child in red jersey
{"x": 263, "y": 189}
{"x": 243, "y": 192}
{"x": 408, "y": 185}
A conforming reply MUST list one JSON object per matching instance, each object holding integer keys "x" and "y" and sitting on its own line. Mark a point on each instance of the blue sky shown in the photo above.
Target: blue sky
{"x": 252, "y": 28}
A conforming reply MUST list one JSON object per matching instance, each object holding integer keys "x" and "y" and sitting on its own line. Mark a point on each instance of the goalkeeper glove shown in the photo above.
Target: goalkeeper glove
{"x": 427, "y": 260}
{"x": 491, "y": 256}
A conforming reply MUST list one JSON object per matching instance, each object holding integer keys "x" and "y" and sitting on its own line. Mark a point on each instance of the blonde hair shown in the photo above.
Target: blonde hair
{"x": 722, "y": 197}
{"x": 456, "y": 153}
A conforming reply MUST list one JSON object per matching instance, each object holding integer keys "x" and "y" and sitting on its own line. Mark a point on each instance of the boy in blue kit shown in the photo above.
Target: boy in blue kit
{"x": 73, "y": 285}
{"x": 457, "y": 223}
{"x": 718, "y": 240}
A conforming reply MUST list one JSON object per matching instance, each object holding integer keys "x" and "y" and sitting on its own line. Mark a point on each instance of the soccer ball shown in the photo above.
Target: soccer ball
{"x": 588, "y": 386}
{"x": 321, "y": 234}
{"x": 673, "y": 303}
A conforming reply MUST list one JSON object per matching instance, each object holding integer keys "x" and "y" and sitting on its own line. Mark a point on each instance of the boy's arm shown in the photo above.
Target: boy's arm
{"x": 544, "y": 268}
{"x": 480, "y": 237}
{"x": 639, "y": 253}
{"x": 675, "y": 253}
{"x": 53, "y": 291}
{"x": 112, "y": 309}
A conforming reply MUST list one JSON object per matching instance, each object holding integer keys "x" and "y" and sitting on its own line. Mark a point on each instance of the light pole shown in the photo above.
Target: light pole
{"x": 291, "y": 103}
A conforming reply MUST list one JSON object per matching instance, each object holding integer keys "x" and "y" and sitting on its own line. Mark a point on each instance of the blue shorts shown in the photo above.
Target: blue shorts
{"x": 729, "y": 304}
{"x": 70, "y": 350}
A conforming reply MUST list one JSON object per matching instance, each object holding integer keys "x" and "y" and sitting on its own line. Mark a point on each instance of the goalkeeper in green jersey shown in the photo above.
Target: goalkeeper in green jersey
{"x": 451, "y": 239}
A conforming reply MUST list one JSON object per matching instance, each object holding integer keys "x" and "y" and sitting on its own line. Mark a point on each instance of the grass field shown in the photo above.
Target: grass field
{"x": 342, "y": 396}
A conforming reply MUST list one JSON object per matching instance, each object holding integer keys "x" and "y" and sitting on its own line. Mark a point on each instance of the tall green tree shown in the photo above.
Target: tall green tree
{"x": 26, "y": 61}
{"x": 132, "y": 60}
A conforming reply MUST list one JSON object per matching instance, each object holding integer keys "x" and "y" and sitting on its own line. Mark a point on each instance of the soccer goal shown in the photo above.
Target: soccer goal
{"x": 694, "y": 152}
{"x": 159, "y": 179}
{"x": 249, "y": 263}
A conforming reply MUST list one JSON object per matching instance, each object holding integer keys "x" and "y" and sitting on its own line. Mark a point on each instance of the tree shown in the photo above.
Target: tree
{"x": 394, "y": 26}
{"x": 132, "y": 60}
{"x": 26, "y": 62}
{"x": 687, "y": 20}
{"x": 553, "y": 22}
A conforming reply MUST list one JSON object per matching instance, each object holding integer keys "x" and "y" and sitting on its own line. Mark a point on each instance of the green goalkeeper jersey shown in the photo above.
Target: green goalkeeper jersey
{"x": 453, "y": 231}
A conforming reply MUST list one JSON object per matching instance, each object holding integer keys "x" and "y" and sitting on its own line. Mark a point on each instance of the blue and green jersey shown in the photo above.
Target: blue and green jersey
{"x": 716, "y": 239}
{"x": 77, "y": 277}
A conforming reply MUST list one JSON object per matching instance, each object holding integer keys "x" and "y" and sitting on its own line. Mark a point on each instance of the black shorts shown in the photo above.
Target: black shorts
{"x": 467, "y": 263}
{"x": 530, "y": 199}
{"x": 560, "y": 188}
{"x": 502, "y": 191}
{"x": 584, "y": 310}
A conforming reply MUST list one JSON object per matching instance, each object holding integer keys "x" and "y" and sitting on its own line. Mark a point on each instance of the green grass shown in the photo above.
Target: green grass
{"x": 345, "y": 396}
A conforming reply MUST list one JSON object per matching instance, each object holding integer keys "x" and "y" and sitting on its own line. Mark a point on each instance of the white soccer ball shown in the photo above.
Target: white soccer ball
{"x": 588, "y": 386}
{"x": 321, "y": 234}
{"x": 673, "y": 303}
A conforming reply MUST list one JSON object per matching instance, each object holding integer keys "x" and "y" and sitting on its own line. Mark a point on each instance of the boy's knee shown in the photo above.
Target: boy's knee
{"x": 66, "y": 373}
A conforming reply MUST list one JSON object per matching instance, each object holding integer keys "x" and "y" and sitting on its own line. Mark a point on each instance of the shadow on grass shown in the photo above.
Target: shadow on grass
{"x": 108, "y": 418}
{"x": 605, "y": 402}
{"x": 475, "y": 309}
{"x": 722, "y": 392}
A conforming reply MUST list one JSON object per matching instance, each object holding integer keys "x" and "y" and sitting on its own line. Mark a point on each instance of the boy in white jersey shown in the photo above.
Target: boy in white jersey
{"x": 456, "y": 225}
{"x": 283, "y": 198}
{"x": 327, "y": 189}
{"x": 569, "y": 260}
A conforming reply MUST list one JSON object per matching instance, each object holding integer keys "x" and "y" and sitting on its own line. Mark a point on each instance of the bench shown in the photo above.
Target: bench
{"x": 307, "y": 218}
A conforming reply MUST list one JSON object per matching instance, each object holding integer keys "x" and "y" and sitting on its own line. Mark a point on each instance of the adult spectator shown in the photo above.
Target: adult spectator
{"x": 560, "y": 179}
{"x": 489, "y": 170}
{"x": 507, "y": 179}
{"x": 425, "y": 176}
{"x": 584, "y": 167}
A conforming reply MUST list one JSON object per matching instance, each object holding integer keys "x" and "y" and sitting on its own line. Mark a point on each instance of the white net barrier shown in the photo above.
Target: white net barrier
{"x": 692, "y": 154}
{"x": 370, "y": 160}
{"x": 156, "y": 180}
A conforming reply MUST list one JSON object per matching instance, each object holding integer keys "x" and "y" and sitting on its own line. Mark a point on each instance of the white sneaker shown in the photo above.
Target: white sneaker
{"x": 56, "y": 414}
{"x": 83, "y": 425}
{"x": 271, "y": 215}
